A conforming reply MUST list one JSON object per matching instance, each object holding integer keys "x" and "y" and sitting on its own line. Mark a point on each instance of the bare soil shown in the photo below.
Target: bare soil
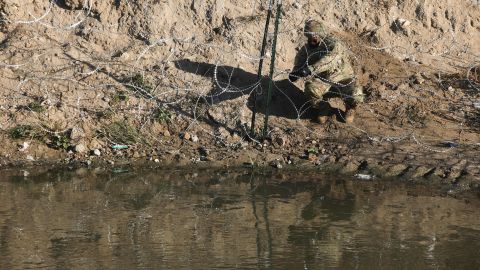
{"x": 170, "y": 81}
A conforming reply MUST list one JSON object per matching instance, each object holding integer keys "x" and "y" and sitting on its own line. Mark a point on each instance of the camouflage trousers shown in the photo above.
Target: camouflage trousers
{"x": 318, "y": 91}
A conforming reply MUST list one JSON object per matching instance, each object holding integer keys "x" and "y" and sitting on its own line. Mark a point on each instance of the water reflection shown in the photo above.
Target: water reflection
{"x": 91, "y": 219}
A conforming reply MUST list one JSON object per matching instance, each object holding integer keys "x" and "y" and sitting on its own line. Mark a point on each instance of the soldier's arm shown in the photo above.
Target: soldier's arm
{"x": 300, "y": 66}
{"x": 328, "y": 61}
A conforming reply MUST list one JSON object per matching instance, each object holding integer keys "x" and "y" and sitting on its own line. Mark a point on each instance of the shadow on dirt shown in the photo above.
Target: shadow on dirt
{"x": 231, "y": 83}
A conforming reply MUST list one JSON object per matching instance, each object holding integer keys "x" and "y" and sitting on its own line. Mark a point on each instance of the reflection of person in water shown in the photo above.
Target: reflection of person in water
{"x": 318, "y": 235}
{"x": 334, "y": 201}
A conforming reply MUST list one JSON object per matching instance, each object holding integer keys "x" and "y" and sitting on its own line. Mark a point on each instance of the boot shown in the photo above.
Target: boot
{"x": 349, "y": 116}
{"x": 322, "y": 119}
{"x": 322, "y": 115}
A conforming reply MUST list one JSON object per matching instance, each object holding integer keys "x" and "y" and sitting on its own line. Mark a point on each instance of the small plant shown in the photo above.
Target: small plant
{"x": 106, "y": 114}
{"x": 60, "y": 141}
{"x": 162, "y": 116}
{"x": 36, "y": 106}
{"x": 120, "y": 96}
{"x": 122, "y": 133}
{"x": 312, "y": 151}
{"x": 140, "y": 85}
{"x": 22, "y": 132}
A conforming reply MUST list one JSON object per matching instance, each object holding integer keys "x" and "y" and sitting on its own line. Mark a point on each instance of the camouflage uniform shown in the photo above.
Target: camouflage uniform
{"x": 328, "y": 68}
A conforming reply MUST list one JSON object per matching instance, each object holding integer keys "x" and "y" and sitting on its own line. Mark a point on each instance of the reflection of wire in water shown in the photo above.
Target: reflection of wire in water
{"x": 264, "y": 199}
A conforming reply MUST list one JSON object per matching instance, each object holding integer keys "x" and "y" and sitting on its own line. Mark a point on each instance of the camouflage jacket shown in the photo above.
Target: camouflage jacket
{"x": 330, "y": 60}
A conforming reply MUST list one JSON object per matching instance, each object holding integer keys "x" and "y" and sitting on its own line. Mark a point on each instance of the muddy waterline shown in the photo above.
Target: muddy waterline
{"x": 172, "y": 219}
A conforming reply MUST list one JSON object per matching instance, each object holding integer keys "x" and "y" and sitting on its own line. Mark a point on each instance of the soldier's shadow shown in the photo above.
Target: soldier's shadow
{"x": 230, "y": 83}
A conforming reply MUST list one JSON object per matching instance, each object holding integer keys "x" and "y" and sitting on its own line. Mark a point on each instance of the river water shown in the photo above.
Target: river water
{"x": 172, "y": 219}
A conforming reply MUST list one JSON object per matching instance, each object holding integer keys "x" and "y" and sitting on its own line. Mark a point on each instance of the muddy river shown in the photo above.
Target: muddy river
{"x": 173, "y": 219}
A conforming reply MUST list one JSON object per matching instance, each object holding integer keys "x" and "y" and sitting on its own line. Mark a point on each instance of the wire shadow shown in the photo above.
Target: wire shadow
{"x": 230, "y": 83}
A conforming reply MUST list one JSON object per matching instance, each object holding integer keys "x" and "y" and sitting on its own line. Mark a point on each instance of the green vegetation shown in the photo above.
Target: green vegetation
{"x": 106, "y": 114}
{"x": 120, "y": 96}
{"x": 121, "y": 132}
{"x": 36, "y": 106}
{"x": 162, "y": 116}
{"x": 60, "y": 141}
{"x": 312, "y": 151}
{"x": 54, "y": 140}
{"x": 23, "y": 132}
{"x": 140, "y": 86}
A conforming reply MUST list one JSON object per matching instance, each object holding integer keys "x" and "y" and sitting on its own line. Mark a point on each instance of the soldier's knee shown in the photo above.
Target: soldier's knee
{"x": 316, "y": 90}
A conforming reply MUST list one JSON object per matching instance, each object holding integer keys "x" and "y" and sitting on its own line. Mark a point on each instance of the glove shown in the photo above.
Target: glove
{"x": 305, "y": 72}
{"x": 300, "y": 73}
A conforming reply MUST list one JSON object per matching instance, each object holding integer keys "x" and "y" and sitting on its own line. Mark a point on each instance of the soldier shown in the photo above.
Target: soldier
{"x": 326, "y": 63}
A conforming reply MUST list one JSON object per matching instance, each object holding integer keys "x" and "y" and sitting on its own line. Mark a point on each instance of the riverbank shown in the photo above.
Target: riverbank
{"x": 448, "y": 171}
{"x": 170, "y": 83}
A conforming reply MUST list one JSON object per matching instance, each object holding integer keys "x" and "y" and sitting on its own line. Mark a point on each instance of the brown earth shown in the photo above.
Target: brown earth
{"x": 171, "y": 80}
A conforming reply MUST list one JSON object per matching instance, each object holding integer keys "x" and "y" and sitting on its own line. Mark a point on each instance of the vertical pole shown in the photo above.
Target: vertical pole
{"x": 260, "y": 66}
{"x": 272, "y": 67}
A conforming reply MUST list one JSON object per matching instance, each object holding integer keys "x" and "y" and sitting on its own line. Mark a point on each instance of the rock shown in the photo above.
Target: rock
{"x": 96, "y": 152}
{"x": 166, "y": 133}
{"x": 23, "y": 146}
{"x": 194, "y": 138}
{"x": 276, "y": 164}
{"x": 421, "y": 171}
{"x": 270, "y": 158}
{"x": 387, "y": 156}
{"x": 30, "y": 158}
{"x": 156, "y": 160}
{"x": 323, "y": 158}
{"x": 80, "y": 148}
{"x": 203, "y": 158}
{"x": 311, "y": 156}
{"x": 457, "y": 170}
{"x": 417, "y": 79}
{"x": 235, "y": 138}
{"x": 401, "y": 26}
{"x": 223, "y": 133}
{"x": 77, "y": 133}
{"x": 350, "y": 167}
{"x": 203, "y": 151}
{"x": 88, "y": 162}
{"x": 96, "y": 144}
{"x": 396, "y": 170}
{"x": 136, "y": 154}
{"x": 186, "y": 136}
{"x": 465, "y": 182}
{"x": 461, "y": 164}
{"x": 454, "y": 173}
{"x": 439, "y": 172}
{"x": 290, "y": 160}
{"x": 280, "y": 141}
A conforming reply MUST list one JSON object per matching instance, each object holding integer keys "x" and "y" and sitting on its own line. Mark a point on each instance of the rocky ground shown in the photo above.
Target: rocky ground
{"x": 169, "y": 82}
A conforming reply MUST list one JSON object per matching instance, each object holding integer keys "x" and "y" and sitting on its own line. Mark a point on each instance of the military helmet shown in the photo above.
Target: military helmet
{"x": 314, "y": 28}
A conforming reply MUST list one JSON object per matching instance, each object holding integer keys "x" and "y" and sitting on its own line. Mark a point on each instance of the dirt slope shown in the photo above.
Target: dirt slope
{"x": 170, "y": 77}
